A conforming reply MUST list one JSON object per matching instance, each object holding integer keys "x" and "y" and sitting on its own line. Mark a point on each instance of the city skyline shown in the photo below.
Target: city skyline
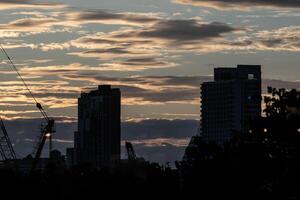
{"x": 64, "y": 47}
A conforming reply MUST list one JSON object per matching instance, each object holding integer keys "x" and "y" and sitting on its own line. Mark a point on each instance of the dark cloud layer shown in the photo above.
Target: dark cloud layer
{"x": 101, "y": 16}
{"x": 180, "y": 31}
{"x": 223, "y": 4}
{"x": 159, "y": 128}
{"x": 186, "y": 30}
{"x": 156, "y": 39}
{"x": 24, "y": 132}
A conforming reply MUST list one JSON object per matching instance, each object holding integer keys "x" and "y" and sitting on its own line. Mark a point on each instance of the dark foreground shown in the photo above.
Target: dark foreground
{"x": 246, "y": 171}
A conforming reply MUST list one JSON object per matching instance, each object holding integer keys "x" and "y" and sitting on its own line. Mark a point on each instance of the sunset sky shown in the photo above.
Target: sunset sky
{"x": 157, "y": 51}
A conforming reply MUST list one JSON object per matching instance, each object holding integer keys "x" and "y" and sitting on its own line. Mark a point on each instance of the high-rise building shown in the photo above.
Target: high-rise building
{"x": 228, "y": 102}
{"x": 97, "y": 141}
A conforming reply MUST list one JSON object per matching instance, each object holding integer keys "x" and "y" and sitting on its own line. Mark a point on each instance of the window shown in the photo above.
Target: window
{"x": 250, "y": 76}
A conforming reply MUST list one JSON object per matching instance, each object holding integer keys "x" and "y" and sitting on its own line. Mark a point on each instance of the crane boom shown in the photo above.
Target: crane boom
{"x": 38, "y": 105}
{"x": 48, "y": 129}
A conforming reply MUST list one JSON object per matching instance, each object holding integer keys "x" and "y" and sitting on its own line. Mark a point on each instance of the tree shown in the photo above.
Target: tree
{"x": 281, "y": 102}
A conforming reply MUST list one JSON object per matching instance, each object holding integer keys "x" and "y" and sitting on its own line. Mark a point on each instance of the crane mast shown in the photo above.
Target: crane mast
{"x": 7, "y": 152}
{"x": 130, "y": 151}
{"x": 48, "y": 129}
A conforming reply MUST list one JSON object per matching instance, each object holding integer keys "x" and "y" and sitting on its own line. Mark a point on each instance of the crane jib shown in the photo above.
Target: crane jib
{"x": 50, "y": 122}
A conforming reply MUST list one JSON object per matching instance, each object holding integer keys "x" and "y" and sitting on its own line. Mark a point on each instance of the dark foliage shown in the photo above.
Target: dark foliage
{"x": 263, "y": 163}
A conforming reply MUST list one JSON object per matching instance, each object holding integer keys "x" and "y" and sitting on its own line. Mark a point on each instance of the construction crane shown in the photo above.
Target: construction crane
{"x": 7, "y": 152}
{"x": 48, "y": 129}
{"x": 130, "y": 151}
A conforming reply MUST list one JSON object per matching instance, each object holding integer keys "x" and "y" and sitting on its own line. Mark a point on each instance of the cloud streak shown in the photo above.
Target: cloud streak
{"x": 160, "y": 39}
{"x": 105, "y": 17}
{"x": 58, "y": 87}
{"x": 21, "y": 4}
{"x": 241, "y": 4}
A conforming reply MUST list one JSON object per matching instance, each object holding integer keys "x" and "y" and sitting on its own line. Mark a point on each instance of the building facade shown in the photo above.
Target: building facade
{"x": 228, "y": 102}
{"x": 70, "y": 157}
{"x": 97, "y": 141}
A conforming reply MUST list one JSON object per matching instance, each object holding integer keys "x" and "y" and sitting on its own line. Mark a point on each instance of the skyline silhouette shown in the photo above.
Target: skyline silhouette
{"x": 150, "y": 98}
{"x": 260, "y": 163}
{"x": 157, "y": 52}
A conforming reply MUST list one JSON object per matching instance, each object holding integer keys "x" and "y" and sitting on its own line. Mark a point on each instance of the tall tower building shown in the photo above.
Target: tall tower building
{"x": 97, "y": 141}
{"x": 228, "y": 102}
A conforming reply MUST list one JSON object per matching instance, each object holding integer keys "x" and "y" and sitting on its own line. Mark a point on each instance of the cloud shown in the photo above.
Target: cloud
{"x": 241, "y": 4}
{"x": 162, "y": 89}
{"x": 21, "y": 4}
{"x": 176, "y": 32}
{"x": 137, "y": 64}
{"x": 29, "y": 24}
{"x": 282, "y": 39}
{"x": 60, "y": 96}
{"x": 147, "y": 136}
{"x": 181, "y": 31}
{"x": 24, "y": 134}
{"x": 111, "y": 53}
{"x": 276, "y": 83}
{"x": 159, "y": 128}
{"x": 39, "y": 22}
{"x": 139, "y": 90}
{"x": 160, "y": 39}
{"x": 33, "y": 25}
{"x": 58, "y": 88}
{"x": 105, "y": 17}
{"x": 163, "y": 40}
{"x": 159, "y": 142}
{"x": 134, "y": 64}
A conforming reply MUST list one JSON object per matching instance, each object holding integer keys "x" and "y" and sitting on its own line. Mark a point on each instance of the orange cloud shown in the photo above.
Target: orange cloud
{"x": 24, "y": 4}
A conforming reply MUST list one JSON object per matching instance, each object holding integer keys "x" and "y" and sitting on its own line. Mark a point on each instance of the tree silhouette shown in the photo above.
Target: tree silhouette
{"x": 281, "y": 103}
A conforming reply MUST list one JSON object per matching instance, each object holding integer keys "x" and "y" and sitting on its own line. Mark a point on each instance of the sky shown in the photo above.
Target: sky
{"x": 157, "y": 52}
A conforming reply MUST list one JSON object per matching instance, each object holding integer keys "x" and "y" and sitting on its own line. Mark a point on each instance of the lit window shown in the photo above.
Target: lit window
{"x": 250, "y": 76}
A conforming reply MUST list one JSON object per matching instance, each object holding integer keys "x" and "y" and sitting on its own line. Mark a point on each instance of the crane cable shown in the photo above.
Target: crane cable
{"x": 38, "y": 105}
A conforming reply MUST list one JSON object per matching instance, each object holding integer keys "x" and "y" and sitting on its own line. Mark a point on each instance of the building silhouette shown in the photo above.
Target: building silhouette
{"x": 70, "y": 157}
{"x": 97, "y": 141}
{"x": 228, "y": 102}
